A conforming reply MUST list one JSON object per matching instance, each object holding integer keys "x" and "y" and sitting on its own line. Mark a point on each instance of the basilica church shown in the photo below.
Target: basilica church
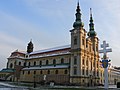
{"x": 77, "y": 63}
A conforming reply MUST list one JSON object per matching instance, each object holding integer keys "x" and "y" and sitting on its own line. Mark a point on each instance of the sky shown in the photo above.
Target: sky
{"x": 48, "y": 22}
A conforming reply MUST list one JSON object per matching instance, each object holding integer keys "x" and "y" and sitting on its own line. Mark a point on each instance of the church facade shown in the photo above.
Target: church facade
{"x": 77, "y": 63}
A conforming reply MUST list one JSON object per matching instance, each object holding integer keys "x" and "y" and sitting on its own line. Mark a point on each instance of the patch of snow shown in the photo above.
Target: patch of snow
{"x": 51, "y": 49}
{"x": 48, "y": 55}
{"x": 46, "y": 67}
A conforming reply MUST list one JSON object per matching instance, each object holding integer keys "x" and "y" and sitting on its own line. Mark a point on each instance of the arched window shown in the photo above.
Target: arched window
{"x": 96, "y": 48}
{"x": 29, "y": 64}
{"x": 87, "y": 71}
{"x": 56, "y": 72}
{"x": 15, "y": 63}
{"x": 11, "y": 65}
{"x": 91, "y": 65}
{"x": 66, "y": 72}
{"x": 34, "y": 72}
{"x": 40, "y": 63}
{"x": 83, "y": 80}
{"x": 75, "y": 70}
{"x": 75, "y": 60}
{"x": 54, "y": 61}
{"x": 24, "y": 64}
{"x": 62, "y": 60}
{"x": 94, "y": 64}
{"x": 94, "y": 72}
{"x": 83, "y": 61}
{"x": 97, "y": 65}
{"x": 75, "y": 40}
{"x": 69, "y": 60}
{"x": 48, "y": 71}
{"x": 83, "y": 71}
{"x": 19, "y": 63}
{"x": 86, "y": 62}
{"x": 41, "y": 72}
{"x": 34, "y": 63}
{"x": 83, "y": 41}
{"x": 47, "y": 62}
{"x": 97, "y": 73}
{"x": 28, "y": 72}
{"x": 23, "y": 72}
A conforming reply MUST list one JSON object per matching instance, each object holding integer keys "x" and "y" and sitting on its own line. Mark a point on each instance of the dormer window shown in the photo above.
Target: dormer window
{"x": 27, "y": 56}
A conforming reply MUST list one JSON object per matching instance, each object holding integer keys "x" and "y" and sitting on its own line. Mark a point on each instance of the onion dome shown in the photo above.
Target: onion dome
{"x": 91, "y": 32}
{"x": 78, "y": 23}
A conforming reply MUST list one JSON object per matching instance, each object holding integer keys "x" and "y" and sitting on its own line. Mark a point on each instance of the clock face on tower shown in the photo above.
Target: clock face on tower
{"x": 75, "y": 31}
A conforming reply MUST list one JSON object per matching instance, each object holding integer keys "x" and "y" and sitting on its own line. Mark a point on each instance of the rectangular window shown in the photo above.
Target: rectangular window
{"x": 97, "y": 64}
{"x": 83, "y": 61}
{"x": 75, "y": 60}
{"x": 86, "y": 44}
{"x": 83, "y": 43}
{"x": 75, "y": 40}
{"x": 83, "y": 71}
{"x": 91, "y": 65}
{"x": 34, "y": 72}
{"x": 41, "y": 72}
{"x": 86, "y": 62}
{"x": 94, "y": 73}
{"x": 40, "y": 63}
{"x": 97, "y": 73}
{"x": 65, "y": 72}
{"x": 87, "y": 72}
{"x": 96, "y": 48}
{"x": 90, "y": 48}
{"x": 75, "y": 70}
{"x": 48, "y": 71}
{"x": 23, "y": 72}
{"x": 28, "y": 72}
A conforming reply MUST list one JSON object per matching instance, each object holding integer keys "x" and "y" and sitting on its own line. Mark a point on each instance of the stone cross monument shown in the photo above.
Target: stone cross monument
{"x": 105, "y": 61}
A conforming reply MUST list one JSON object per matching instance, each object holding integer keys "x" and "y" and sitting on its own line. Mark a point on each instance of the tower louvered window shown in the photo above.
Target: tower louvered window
{"x": 75, "y": 60}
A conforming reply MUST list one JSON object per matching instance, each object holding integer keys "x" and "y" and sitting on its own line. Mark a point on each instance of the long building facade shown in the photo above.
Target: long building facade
{"x": 77, "y": 63}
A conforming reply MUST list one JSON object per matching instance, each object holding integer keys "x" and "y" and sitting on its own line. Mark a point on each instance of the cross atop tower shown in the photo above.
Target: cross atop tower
{"x": 105, "y": 50}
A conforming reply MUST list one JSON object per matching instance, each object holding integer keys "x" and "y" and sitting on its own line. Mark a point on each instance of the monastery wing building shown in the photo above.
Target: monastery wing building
{"x": 77, "y": 63}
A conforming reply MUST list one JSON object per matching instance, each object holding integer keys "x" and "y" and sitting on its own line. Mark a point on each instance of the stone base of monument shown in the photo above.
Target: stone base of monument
{"x": 118, "y": 84}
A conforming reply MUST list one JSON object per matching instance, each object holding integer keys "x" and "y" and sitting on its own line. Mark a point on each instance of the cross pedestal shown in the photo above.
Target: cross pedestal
{"x": 106, "y": 78}
{"x": 105, "y": 62}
